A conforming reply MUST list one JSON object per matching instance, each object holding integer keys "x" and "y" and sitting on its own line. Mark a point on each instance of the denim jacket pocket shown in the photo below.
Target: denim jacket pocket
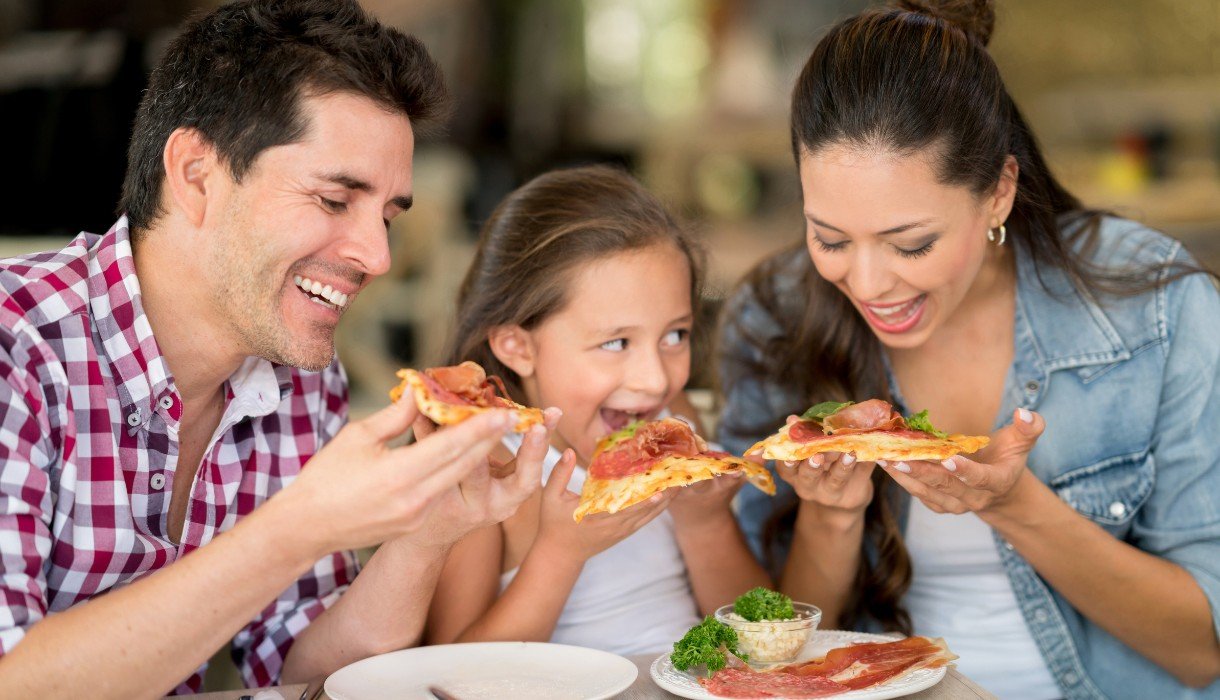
{"x": 1110, "y": 491}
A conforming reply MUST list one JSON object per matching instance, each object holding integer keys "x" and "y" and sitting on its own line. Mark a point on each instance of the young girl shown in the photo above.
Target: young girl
{"x": 945, "y": 268}
{"x": 582, "y": 296}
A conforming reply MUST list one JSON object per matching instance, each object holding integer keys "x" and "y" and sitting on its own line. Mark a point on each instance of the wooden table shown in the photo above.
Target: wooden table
{"x": 954, "y": 686}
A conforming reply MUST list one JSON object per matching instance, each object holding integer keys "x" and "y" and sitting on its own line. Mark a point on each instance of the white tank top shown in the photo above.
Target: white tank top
{"x": 959, "y": 591}
{"x": 632, "y": 598}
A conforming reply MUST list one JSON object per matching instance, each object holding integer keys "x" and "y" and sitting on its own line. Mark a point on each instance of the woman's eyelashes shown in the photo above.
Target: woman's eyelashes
{"x": 917, "y": 252}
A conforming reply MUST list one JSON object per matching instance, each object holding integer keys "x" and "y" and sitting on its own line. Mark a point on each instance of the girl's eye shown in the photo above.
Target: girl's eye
{"x": 675, "y": 337}
{"x": 616, "y": 345}
{"x": 918, "y": 252}
{"x": 333, "y": 206}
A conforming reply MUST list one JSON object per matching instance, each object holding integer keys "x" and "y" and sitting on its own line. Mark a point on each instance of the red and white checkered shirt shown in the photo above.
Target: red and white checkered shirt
{"x": 89, "y": 444}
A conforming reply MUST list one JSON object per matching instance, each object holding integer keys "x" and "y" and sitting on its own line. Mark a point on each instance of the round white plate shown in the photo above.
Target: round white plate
{"x": 491, "y": 670}
{"x": 820, "y": 642}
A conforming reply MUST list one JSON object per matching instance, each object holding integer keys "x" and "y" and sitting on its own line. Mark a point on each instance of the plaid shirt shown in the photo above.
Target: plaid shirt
{"x": 89, "y": 443}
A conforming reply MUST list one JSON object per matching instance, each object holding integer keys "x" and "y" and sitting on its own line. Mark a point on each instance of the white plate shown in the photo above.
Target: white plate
{"x": 820, "y": 642}
{"x": 493, "y": 670}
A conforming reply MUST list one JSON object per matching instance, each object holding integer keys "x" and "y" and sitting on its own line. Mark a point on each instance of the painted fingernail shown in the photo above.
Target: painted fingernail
{"x": 1025, "y": 415}
{"x": 902, "y": 467}
{"x": 849, "y": 459}
{"x": 814, "y": 465}
{"x": 950, "y": 464}
{"x": 537, "y": 432}
{"x": 882, "y": 463}
{"x": 789, "y": 464}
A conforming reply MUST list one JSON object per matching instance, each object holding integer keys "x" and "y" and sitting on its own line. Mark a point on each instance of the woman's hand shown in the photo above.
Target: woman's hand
{"x": 961, "y": 485}
{"x": 596, "y": 533}
{"x": 832, "y": 480}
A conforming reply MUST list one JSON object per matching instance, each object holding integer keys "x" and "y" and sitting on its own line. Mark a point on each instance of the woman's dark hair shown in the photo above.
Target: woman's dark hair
{"x": 907, "y": 79}
{"x": 238, "y": 74}
{"x": 535, "y": 240}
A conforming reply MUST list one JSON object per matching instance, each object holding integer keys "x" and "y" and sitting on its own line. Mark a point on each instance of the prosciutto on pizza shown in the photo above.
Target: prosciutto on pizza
{"x": 644, "y": 458}
{"x": 870, "y": 430}
{"x": 449, "y": 395}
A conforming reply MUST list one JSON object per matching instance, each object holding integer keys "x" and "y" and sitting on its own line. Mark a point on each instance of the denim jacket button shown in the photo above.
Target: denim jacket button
{"x": 1040, "y": 615}
{"x": 1031, "y": 386}
{"x": 1070, "y": 678}
{"x": 1117, "y": 509}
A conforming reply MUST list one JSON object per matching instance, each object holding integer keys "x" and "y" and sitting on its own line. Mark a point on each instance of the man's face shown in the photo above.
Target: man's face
{"x": 305, "y": 229}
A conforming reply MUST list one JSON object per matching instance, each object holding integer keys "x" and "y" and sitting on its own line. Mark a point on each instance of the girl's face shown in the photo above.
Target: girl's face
{"x": 904, "y": 248}
{"x": 619, "y": 350}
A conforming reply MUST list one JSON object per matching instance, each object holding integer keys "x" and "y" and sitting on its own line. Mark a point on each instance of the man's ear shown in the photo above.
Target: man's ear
{"x": 189, "y": 160}
{"x": 513, "y": 346}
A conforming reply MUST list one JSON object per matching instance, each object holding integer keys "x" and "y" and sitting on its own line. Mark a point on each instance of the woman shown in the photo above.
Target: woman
{"x": 946, "y": 269}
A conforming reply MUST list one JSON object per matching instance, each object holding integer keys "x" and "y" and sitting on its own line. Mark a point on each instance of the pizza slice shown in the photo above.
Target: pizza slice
{"x": 871, "y": 430}
{"x": 644, "y": 458}
{"x": 449, "y": 395}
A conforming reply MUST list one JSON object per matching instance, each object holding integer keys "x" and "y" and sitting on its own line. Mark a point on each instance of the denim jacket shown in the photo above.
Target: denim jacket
{"x": 1131, "y": 398}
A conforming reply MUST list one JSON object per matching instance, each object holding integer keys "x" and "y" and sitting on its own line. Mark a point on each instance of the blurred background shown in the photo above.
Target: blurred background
{"x": 690, "y": 95}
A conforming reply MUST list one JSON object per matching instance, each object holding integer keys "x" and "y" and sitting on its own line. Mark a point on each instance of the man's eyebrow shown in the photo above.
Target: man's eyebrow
{"x": 402, "y": 201}
{"x": 895, "y": 229}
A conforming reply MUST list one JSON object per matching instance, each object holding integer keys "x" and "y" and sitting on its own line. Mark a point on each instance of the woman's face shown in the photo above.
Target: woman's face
{"x": 904, "y": 248}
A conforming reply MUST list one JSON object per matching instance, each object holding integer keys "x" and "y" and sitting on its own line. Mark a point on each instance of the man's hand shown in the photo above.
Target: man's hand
{"x": 357, "y": 491}
{"x": 480, "y": 499}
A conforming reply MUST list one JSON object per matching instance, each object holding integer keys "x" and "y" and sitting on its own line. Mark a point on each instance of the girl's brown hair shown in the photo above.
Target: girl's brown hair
{"x": 538, "y": 236}
{"x": 907, "y": 79}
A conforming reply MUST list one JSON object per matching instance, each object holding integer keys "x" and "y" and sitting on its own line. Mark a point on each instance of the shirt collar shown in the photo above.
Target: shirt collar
{"x": 141, "y": 375}
{"x": 136, "y": 364}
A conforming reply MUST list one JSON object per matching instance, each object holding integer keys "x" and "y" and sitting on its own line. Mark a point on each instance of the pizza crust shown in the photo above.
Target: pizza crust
{"x": 613, "y": 495}
{"x": 868, "y": 447}
{"x": 444, "y": 413}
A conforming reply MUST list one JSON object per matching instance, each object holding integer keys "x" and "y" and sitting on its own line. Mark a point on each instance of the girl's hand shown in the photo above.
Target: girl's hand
{"x": 961, "y": 485}
{"x": 832, "y": 480}
{"x": 702, "y": 499}
{"x": 595, "y": 533}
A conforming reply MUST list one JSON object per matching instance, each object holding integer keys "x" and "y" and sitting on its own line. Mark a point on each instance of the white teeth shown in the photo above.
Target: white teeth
{"x": 329, "y": 296}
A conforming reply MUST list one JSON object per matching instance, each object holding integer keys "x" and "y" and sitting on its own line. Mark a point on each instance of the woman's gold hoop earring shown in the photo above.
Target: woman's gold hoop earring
{"x": 1003, "y": 235}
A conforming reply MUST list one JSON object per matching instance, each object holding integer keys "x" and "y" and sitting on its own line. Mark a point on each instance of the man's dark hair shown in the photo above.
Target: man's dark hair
{"x": 238, "y": 75}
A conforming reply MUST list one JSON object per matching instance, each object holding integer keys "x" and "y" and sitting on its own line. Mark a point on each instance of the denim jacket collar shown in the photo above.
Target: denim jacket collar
{"x": 1068, "y": 329}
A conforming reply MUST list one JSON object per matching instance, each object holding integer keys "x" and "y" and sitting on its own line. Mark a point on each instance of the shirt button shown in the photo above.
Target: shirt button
{"x": 157, "y": 481}
{"x": 166, "y": 402}
{"x": 133, "y": 418}
{"x": 1117, "y": 509}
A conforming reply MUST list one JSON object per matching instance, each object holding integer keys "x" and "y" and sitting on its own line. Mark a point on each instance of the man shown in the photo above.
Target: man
{"x": 165, "y": 384}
